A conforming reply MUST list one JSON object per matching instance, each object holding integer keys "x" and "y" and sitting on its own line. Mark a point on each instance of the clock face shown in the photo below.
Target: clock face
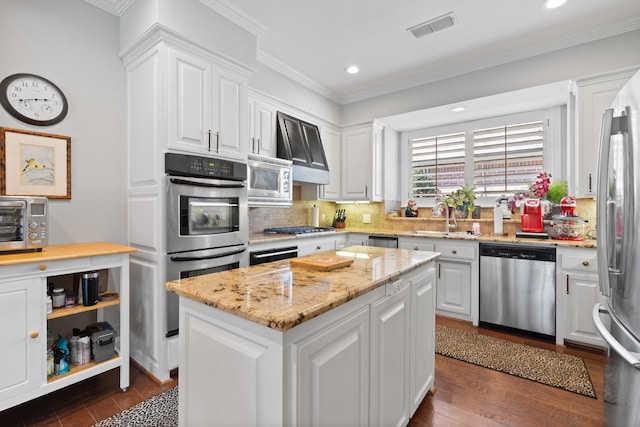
{"x": 33, "y": 99}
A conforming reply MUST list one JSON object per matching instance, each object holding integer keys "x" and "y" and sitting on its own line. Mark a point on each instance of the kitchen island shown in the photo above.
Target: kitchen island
{"x": 278, "y": 344}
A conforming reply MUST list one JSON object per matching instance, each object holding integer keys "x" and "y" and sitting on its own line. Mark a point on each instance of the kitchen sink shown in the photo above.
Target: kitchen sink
{"x": 444, "y": 233}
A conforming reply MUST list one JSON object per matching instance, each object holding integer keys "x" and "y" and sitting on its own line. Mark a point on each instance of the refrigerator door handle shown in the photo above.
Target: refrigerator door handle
{"x": 601, "y": 204}
{"x": 631, "y": 358}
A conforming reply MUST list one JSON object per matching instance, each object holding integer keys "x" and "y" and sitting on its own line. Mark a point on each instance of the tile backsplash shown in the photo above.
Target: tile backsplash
{"x": 300, "y": 214}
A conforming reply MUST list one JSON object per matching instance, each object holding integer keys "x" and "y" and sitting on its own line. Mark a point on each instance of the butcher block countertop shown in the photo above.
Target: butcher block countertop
{"x": 280, "y": 296}
{"x": 59, "y": 252}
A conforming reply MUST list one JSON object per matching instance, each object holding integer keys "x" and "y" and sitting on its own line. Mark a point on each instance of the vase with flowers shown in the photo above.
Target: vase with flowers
{"x": 550, "y": 193}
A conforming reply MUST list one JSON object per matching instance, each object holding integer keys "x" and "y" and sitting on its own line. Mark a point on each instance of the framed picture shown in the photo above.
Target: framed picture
{"x": 35, "y": 164}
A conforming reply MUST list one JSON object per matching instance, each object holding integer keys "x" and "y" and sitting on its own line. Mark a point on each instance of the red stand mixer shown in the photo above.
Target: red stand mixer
{"x": 532, "y": 216}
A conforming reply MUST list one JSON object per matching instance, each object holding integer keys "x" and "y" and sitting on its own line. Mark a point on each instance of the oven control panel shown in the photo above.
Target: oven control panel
{"x": 204, "y": 167}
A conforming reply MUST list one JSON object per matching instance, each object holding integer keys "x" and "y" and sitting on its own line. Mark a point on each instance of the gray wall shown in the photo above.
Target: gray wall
{"x": 75, "y": 45}
{"x": 571, "y": 63}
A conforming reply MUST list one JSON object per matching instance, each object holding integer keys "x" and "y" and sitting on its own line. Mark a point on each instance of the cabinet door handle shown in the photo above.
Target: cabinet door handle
{"x": 589, "y": 183}
{"x": 35, "y": 334}
{"x": 42, "y": 267}
{"x": 366, "y": 191}
{"x": 258, "y": 141}
{"x": 217, "y": 141}
{"x": 209, "y": 140}
{"x": 439, "y": 268}
{"x": 567, "y": 284}
{"x": 253, "y": 144}
{"x": 585, "y": 263}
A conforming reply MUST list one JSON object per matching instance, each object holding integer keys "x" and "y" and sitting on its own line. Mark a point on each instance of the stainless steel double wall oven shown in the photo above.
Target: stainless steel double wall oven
{"x": 207, "y": 220}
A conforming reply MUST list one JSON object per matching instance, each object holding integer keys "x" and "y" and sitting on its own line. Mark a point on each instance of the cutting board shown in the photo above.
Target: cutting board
{"x": 320, "y": 262}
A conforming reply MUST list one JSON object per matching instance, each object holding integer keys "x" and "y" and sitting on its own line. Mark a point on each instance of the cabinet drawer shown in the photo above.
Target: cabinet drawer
{"x": 586, "y": 262}
{"x": 456, "y": 251}
{"x": 416, "y": 246}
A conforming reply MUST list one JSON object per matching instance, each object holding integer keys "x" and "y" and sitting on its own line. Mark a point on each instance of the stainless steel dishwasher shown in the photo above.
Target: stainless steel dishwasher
{"x": 383, "y": 241}
{"x": 518, "y": 287}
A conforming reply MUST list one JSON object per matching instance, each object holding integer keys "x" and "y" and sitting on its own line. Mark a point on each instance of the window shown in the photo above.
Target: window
{"x": 499, "y": 155}
{"x": 507, "y": 158}
{"x": 437, "y": 164}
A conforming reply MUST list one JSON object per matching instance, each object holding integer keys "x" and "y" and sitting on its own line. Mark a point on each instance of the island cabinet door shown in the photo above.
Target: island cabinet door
{"x": 390, "y": 335}
{"x": 333, "y": 373}
{"x": 423, "y": 342}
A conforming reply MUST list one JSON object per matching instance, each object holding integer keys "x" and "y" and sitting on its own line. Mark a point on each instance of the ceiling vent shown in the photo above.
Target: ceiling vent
{"x": 430, "y": 27}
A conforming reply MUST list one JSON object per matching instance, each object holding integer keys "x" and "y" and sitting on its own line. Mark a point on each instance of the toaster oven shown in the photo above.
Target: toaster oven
{"x": 23, "y": 223}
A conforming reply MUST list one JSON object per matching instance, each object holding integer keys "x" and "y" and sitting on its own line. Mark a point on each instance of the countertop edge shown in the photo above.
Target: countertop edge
{"x": 62, "y": 252}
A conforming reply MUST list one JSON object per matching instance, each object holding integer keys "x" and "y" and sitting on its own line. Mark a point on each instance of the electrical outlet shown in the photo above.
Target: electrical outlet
{"x": 366, "y": 219}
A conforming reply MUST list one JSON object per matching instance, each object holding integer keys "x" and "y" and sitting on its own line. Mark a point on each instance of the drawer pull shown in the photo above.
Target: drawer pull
{"x": 42, "y": 267}
{"x": 585, "y": 263}
{"x": 35, "y": 335}
{"x": 454, "y": 251}
{"x": 415, "y": 248}
{"x": 318, "y": 247}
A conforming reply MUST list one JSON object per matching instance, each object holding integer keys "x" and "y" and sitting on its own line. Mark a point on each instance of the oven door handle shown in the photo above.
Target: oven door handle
{"x": 204, "y": 184}
{"x": 199, "y": 258}
{"x": 260, "y": 256}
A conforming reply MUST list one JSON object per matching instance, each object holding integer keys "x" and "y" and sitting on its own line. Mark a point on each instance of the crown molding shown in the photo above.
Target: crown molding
{"x": 282, "y": 68}
{"x": 236, "y": 15}
{"x": 114, "y": 7}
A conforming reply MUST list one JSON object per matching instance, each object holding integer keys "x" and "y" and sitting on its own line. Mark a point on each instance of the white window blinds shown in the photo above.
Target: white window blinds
{"x": 437, "y": 164}
{"x": 507, "y": 158}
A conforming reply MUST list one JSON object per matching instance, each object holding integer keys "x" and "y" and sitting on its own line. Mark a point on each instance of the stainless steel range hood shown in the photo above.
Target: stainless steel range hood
{"x": 300, "y": 142}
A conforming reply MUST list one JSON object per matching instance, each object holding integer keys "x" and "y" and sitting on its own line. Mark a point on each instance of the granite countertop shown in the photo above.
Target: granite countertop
{"x": 281, "y": 296}
{"x": 256, "y": 238}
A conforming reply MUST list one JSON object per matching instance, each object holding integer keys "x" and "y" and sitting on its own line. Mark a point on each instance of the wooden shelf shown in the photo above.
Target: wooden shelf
{"x": 79, "y": 308}
{"x": 74, "y": 369}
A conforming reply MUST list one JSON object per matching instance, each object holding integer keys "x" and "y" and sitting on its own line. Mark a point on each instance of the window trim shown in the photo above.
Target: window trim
{"x": 554, "y": 119}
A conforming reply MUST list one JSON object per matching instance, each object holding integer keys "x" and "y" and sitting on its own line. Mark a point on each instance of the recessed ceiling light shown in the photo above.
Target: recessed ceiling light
{"x": 353, "y": 69}
{"x": 457, "y": 109}
{"x": 552, "y": 4}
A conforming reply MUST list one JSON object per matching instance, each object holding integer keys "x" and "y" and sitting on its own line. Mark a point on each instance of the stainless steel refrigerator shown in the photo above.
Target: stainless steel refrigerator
{"x": 618, "y": 233}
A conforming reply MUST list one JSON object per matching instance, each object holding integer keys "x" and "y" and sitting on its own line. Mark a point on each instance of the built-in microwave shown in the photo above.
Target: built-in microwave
{"x": 24, "y": 223}
{"x": 269, "y": 181}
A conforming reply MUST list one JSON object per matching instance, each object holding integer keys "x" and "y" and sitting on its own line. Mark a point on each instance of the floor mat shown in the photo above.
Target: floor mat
{"x": 544, "y": 366}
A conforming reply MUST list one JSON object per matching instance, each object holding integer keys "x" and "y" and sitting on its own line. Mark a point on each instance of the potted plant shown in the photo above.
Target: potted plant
{"x": 557, "y": 190}
{"x": 462, "y": 200}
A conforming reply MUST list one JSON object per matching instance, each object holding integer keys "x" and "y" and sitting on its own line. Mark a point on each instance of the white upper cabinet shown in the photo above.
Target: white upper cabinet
{"x": 362, "y": 164}
{"x": 594, "y": 96}
{"x": 207, "y": 107}
{"x": 331, "y": 144}
{"x": 262, "y": 128}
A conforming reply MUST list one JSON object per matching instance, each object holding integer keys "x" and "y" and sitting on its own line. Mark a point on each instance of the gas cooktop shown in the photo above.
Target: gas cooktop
{"x": 301, "y": 229}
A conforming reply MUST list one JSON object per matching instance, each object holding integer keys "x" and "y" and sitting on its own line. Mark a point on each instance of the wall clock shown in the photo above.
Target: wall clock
{"x": 33, "y": 99}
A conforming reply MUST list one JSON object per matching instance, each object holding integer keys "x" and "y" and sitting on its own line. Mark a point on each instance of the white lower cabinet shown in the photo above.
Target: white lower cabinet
{"x": 423, "y": 339}
{"x": 23, "y": 291}
{"x": 578, "y": 291}
{"x": 367, "y": 362}
{"x": 454, "y": 288}
{"x": 21, "y": 313}
{"x": 333, "y": 374}
{"x": 390, "y": 348}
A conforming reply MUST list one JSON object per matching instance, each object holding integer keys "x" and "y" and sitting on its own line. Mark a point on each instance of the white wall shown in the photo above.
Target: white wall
{"x": 572, "y": 63}
{"x": 285, "y": 90}
{"x": 75, "y": 45}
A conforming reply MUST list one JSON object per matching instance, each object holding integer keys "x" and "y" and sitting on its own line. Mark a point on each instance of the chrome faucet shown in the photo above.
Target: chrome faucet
{"x": 447, "y": 227}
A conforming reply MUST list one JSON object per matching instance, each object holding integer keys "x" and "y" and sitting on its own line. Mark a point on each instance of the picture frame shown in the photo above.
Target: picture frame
{"x": 35, "y": 164}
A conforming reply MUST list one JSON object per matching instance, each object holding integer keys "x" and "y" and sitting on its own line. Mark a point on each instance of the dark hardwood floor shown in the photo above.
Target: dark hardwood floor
{"x": 463, "y": 395}
{"x": 87, "y": 402}
{"x": 468, "y": 395}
